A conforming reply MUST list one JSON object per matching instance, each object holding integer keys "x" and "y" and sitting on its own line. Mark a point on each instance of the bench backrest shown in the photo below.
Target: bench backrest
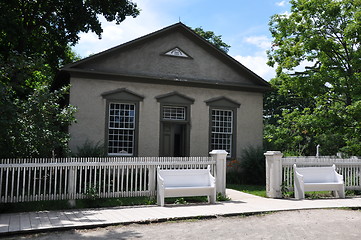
{"x": 185, "y": 177}
{"x": 317, "y": 174}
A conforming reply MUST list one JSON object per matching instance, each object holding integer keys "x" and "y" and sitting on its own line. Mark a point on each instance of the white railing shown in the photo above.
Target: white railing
{"x": 279, "y": 171}
{"x": 76, "y": 178}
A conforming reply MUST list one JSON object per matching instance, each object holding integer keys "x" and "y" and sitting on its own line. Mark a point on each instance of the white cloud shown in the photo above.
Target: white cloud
{"x": 286, "y": 14}
{"x": 262, "y": 42}
{"x": 131, "y": 28}
{"x": 258, "y": 64}
{"x": 281, "y": 4}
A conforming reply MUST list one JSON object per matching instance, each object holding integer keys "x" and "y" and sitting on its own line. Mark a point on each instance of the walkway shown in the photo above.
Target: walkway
{"x": 241, "y": 203}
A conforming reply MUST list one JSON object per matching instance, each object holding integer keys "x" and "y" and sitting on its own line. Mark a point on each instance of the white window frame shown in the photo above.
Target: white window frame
{"x": 126, "y": 129}
{"x": 174, "y": 113}
{"x": 222, "y": 129}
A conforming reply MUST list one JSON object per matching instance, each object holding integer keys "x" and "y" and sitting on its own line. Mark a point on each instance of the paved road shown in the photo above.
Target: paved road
{"x": 302, "y": 224}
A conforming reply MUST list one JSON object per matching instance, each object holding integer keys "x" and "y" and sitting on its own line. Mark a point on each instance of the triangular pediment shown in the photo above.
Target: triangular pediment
{"x": 174, "y": 97}
{"x": 175, "y": 54}
{"x": 222, "y": 102}
{"x": 122, "y": 94}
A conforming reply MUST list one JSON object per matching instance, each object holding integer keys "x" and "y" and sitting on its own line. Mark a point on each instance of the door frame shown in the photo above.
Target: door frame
{"x": 175, "y": 99}
{"x": 186, "y": 138}
{"x": 185, "y": 123}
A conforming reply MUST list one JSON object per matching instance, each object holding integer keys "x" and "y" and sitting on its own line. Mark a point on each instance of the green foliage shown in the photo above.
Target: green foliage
{"x": 222, "y": 198}
{"x": 318, "y": 104}
{"x": 80, "y": 203}
{"x": 285, "y": 191}
{"x": 35, "y": 42}
{"x": 212, "y": 38}
{"x": 249, "y": 169}
{"x": 45, "y": 29}
{"x": 185, "y": 200}
{"x": 92, "y": 193}
{"x": 90, "y": 149}
{"x": 253, "y": 167}
{"x": 34, "y": 126}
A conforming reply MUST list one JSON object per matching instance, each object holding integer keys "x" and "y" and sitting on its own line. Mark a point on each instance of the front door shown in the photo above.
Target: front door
{"x": 174, "y": 139}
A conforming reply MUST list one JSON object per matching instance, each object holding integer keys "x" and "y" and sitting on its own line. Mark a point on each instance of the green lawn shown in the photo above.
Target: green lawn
{"x": 112, "y": 202}
{"x": 251, "y": 189}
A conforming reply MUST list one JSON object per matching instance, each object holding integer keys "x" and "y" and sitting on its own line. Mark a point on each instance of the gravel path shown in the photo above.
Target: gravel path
{"x": 304, "y": 224}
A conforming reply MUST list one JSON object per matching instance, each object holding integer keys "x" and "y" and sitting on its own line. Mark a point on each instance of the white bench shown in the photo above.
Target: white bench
{"x": 317, "y": 179}
{"x": 185, "y": 183}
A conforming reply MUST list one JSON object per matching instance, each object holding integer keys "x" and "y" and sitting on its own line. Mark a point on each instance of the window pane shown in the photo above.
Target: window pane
{"x": 121, "y": 129}
{"x": 174, "y": 113}
{"x": 222, "y": 130}
{"x": 122, "y": 116}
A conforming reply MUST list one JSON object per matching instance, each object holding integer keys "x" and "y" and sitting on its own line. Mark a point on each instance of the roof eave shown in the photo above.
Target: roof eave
{"x": 81, "y": 73}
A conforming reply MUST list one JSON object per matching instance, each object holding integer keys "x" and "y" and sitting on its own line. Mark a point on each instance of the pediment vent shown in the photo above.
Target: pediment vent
{"x": 177, "y": 52}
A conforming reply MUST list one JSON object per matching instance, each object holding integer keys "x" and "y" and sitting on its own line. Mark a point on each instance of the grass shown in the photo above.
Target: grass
{"x": 81, "y": 203}
{"x": 257, "y": 190}
{"x": 95, "y": 203}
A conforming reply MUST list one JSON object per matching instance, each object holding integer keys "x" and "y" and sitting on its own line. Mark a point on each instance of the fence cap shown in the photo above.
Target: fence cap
{"x": 218, "y": 152}
{"x": 272, "y": 153}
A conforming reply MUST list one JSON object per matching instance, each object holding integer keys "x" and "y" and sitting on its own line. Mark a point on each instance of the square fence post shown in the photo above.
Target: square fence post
{"x": 273, "y": 174}
{"x": 220, "y": 156}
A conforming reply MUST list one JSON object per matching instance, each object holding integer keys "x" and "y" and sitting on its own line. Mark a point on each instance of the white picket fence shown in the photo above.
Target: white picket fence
{"x": 23, "y": 180}
{"x": 279, "y": 171}
{"x": 350, "y": 168}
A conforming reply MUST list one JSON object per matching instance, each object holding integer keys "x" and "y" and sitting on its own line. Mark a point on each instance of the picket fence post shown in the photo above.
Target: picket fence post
{"x": 152, "y": 179}
{"x": 273, "y": 174}
{"x": 71, "y": 187}
{"x": 220, "y": 157}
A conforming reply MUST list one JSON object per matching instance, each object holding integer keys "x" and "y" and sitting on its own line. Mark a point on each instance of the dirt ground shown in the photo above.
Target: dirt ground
{"x": 303, "y": 224}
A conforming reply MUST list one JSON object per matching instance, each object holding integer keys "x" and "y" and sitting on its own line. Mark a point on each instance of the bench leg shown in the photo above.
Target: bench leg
{"x": 160, "y": 201}
{"x": 212, "y": 198}
{"x": 160, "y": 198}
{"x": 341, "y": 192}
{"x": 299, "y": 194}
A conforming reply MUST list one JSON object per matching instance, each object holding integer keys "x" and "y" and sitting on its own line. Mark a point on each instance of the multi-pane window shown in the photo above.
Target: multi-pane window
{"x": 121, "y": 129}
{"x": 222, "y": 130}
{"x": 174, "y": 113}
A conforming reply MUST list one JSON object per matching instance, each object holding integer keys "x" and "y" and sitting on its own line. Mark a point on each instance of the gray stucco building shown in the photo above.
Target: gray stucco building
{"x": 169, "y": 93}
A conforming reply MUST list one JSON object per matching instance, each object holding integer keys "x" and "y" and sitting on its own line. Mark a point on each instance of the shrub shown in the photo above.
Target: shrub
{"x": 90, "y": 149}
{"x": 253, "y": 167}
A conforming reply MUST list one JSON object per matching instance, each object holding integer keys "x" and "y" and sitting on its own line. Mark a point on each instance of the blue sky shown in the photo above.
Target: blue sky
{"x": 243, "y": 24}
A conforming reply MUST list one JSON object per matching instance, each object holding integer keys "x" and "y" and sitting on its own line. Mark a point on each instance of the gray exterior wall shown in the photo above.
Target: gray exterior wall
{"x": 141, "y": 67}
{"x": 86, "y": 93}
{"x": 147, "y": 60}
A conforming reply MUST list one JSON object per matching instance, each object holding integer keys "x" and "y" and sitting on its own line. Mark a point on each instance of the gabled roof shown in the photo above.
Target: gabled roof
{"x": 256, "y": 83}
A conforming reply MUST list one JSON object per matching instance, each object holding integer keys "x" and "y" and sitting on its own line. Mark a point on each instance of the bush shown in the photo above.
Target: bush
{"x": 250, "y": 168}
{"x": 253, "y": 166}
{"x": 90, "y": 149}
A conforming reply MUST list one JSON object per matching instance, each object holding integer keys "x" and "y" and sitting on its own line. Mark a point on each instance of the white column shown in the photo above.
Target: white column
{"x": 273, "y": 174}
{"x": 220, "y": 156}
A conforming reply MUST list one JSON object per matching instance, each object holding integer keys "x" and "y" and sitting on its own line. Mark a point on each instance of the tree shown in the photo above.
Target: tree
{"x": 35, "y": 40}
{"x": 34, "y": 126}
{"x": 325, "y": 36}
{"x": 212, "y": 38}
{"x": 44, "y": 29}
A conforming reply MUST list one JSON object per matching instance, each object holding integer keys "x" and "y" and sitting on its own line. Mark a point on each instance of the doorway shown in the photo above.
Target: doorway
{"x": 174, "y": 140}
